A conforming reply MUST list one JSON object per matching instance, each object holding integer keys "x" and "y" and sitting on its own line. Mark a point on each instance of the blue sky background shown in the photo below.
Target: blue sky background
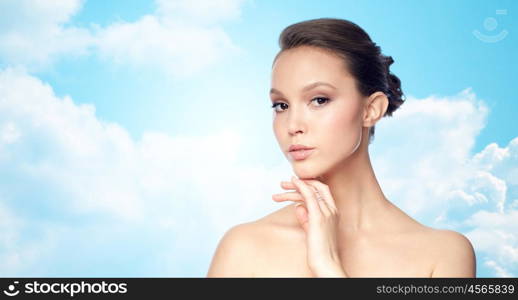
{"x": 133, "y": 134}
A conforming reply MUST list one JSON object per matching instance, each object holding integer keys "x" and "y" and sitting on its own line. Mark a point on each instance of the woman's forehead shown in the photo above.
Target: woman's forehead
{"x": 302, "y": 65}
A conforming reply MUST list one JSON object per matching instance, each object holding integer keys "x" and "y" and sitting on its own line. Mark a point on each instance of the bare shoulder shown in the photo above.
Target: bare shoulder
{"x": 235, "y": 252}
{"x": 446, "y": 252}
{"x": 453, "y": 253}
{"x": 240, "y": 249}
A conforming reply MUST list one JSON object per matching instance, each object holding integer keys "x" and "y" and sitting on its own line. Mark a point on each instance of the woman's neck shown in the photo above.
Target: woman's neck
{"x": 357, "y": 193}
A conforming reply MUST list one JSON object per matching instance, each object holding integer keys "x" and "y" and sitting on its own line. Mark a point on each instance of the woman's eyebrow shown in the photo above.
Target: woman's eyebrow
{"x": 315, "y": 84}
{"x": 306, "y": 88}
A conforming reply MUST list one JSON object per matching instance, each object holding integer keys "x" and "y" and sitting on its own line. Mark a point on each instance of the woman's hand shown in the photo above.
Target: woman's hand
{"x": 318, "y": 216}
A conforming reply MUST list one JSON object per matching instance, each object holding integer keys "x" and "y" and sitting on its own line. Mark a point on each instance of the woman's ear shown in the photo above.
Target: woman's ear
{"x": 375, "y": 108}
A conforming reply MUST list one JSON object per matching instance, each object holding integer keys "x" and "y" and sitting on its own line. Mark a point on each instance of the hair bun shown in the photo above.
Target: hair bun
{"x": 394, "y": 92}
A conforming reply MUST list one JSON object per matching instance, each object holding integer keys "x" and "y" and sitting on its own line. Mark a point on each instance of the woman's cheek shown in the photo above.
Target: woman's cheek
{"x": 277, "y": 130}
{"x": 343, "y": 131}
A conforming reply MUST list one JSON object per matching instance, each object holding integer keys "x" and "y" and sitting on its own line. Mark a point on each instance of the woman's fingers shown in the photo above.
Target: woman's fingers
{"x": 287, "y": 185}
{"x": 309, "y": 196}
{"x": 288, "y": 196}
{"x": 321, "y": 201}
{"x": 323, "y": 190}
{"x": 321, "y": 195}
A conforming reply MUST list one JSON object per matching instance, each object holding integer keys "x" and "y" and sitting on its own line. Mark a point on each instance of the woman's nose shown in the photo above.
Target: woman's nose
{"x": 296, "y": 123}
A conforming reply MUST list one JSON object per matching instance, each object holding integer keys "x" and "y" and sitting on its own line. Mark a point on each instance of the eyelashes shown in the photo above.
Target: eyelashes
{"x": 277, "y": 104}
{"x": 325, "y": 100}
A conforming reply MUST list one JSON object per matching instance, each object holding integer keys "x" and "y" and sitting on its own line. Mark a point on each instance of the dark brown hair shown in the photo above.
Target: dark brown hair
{"x": 362, "y": 57}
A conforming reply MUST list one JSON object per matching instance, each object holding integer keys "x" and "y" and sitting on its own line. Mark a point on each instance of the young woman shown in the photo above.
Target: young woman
{"x": 330, "y": 85}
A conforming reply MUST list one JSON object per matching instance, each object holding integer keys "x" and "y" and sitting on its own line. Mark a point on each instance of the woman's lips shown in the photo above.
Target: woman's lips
{"x": 301, "y": 154}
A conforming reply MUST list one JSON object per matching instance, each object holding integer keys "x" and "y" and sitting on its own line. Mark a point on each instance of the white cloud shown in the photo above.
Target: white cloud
{"x": 494, "y": 236}
{"x": 421, "y": 154}
{"x": 181, "y": 38}
{"x": 499, "y": 271}
{"x": 502, "y": 161}
{"x": 17, "y": 253}
{"x": 178, "y": 49}
{"x": 496, "y": 232}
{"x": 34, "y": 33}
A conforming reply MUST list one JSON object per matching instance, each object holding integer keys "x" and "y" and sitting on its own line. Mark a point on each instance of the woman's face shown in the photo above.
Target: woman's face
{"x": 318, "y": 105}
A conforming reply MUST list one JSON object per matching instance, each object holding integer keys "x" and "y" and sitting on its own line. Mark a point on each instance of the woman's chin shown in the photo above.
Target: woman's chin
{"x": 306, "y": 174}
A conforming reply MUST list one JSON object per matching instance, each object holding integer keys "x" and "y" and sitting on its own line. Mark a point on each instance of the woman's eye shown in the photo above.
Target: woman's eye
{"x": 284, "y": 106}
{"x": 274, "y": 106}
{"x": 320, "y": 100}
